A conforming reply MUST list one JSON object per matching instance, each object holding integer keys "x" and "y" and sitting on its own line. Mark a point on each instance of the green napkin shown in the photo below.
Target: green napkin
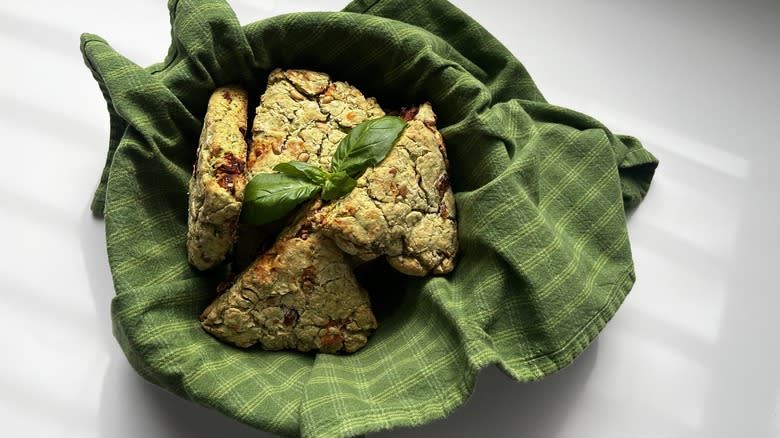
{"x": 541, "y": 193}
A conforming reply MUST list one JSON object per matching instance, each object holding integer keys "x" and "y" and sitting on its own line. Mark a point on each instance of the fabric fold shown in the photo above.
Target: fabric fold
{"x": 209, "y": 49}
{"x": 139, "y": 101}
{"x": 117, "y": 125}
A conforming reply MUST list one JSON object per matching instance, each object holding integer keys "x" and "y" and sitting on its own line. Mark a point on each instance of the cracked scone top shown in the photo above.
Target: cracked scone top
{"x": 303, "y": 116}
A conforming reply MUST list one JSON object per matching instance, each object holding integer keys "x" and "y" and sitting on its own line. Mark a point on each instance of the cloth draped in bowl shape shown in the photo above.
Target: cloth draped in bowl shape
{"x": 541, "y": 193}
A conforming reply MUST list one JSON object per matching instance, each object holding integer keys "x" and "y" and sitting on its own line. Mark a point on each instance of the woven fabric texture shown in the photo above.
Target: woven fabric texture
{"x": 541, "y": 193}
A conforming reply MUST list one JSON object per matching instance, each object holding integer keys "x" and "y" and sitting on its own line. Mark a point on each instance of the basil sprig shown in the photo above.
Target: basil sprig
{"x": 271, "y": 196}
{"x": 300, "y": 169}
{"x": 366, "y": 145}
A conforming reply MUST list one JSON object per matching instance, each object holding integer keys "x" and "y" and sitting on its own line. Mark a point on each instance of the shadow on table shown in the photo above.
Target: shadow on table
{"x": 130, "y": 406}
{"x": 499, "y": 405}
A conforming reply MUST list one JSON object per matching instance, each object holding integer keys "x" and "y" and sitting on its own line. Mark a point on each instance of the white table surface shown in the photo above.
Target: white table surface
{"x": 694, "y": 351}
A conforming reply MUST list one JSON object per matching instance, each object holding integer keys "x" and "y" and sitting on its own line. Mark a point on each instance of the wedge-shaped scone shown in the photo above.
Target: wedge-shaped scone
{"x": 218, "y": 181}
{"x": 403, "y": 208}
{"x": 301, "y": 294}
{"x": 303, "y": 116}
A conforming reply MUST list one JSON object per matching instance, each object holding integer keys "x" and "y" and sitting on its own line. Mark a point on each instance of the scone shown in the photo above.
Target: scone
{"x": 300, "y": 294}
{"x": 216, "y": 188}
{"x": 403, "y": 208}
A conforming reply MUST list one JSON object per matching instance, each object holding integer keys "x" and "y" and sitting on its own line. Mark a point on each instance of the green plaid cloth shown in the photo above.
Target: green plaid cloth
{"x": 541, "y": 193}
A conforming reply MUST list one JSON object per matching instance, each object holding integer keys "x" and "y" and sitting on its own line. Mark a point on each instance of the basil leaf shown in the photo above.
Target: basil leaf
{"x": 366, "y": 145}
{"x": 337, "y": 185}
{"x": 298, "y": 168}
{"x": 270, "y": 196}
